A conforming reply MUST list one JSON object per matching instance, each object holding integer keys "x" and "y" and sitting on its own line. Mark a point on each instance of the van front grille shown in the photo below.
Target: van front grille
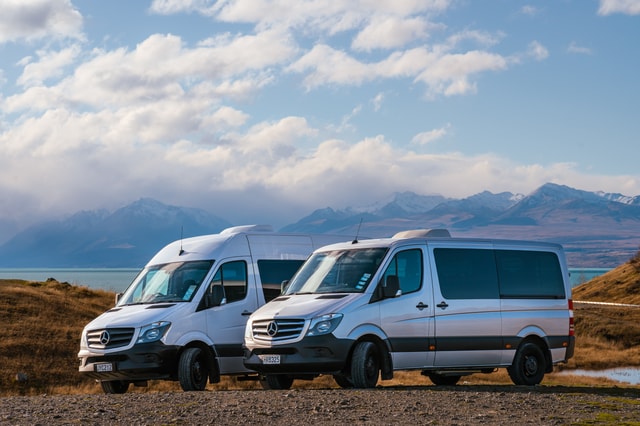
{"x": 108, "y": 338}
{"x": 277, "y": 329}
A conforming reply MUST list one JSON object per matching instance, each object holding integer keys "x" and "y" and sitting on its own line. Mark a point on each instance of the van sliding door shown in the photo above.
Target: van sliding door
{"x": 467, "y": 306}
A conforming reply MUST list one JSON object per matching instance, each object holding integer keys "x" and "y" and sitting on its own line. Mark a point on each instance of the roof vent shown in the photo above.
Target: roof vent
{"x": 247, "y": 228}
{"x": 422, "y": 233}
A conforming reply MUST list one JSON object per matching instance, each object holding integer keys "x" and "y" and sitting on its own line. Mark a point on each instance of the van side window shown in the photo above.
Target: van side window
{"x": 529, "y": 274}
{"x": 407, "y": 266}
{"x": 232, "y": 276}
{"x": 273, "y": 272}
{"x": 466, "y": 273}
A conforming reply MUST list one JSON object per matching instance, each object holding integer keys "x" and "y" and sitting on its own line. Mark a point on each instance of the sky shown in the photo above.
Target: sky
{"x": 261, "y": 111}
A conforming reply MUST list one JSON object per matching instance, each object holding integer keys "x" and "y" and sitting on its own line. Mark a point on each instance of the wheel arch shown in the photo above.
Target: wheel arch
{"x": 212, "y": 359}
{"x": 543, "y": 344}
{"x": 386, "y": 367}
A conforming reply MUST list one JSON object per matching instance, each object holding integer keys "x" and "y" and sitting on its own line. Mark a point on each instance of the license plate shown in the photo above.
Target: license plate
{"x": 103, "y": 368}
{"x": 270, "y": 359}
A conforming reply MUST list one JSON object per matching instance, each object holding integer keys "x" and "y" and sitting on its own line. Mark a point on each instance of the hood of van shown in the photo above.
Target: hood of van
{"x": 305, "y": 305}
{"x": 133, "y": 315}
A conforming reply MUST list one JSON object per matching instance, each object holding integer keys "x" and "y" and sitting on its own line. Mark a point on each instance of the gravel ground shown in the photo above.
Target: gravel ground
{"x": 460, "y": 405}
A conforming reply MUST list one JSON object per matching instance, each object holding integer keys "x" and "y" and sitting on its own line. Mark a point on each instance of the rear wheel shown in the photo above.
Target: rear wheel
{"x": 115, "y": 386}
{"x": 528, "y": 365}
{"x": 442, "y": 380}
{"x": 365, "y": 365}
{"x": 192, "y": 370}
{"x": 276, "y": 381}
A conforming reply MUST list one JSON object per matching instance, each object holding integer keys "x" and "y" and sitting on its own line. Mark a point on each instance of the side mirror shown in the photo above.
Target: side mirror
{"x": 215, "y": 297}
{"x": 118, "y": 297}
{"x": 391, "y": 286}
{"x": 283, "y": 286}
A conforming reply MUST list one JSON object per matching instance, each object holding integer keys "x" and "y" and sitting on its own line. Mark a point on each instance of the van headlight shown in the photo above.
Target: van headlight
{"x": 324, "y": 324}
{"x": 153, "y": 332}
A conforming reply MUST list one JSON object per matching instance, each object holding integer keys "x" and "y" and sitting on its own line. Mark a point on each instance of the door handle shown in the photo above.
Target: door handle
{"x": 442, "y": 305}
{"x": 246, "y": 313}
{"x": 421, "y": 306}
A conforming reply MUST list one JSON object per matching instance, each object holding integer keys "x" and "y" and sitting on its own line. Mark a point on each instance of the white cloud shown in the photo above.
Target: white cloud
{"x": 377, "y": 101}
{"x": 50, "y": 64}
{"x": 38, "y": 19}
{"x": 529, "y": 10}
{"x": 627, "y": 7}
{"x": 168, "y": 7}
{"x": 425, "y": 138}
{"x": 386, "y": 32}
{"x": 538, "y": 51}
{"x": 160, "y": 67}
{"x": 575, "y": 48}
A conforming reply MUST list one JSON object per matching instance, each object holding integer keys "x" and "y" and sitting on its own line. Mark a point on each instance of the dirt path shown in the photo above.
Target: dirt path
{"x": 460, "y": 405}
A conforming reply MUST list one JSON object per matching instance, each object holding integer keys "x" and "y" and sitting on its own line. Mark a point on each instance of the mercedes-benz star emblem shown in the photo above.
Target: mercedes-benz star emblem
{"x": 272, "y": 329}
{"x": 105, "y": 337}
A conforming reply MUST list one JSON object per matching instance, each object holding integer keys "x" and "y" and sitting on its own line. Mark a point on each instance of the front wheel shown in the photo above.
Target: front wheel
{"x": 276, "y": 381}
{"x": 192, "y": 370}
{"x": 115, "y": 386}
{"x": 365, "y": 365}
{"x": 528, "y": 365}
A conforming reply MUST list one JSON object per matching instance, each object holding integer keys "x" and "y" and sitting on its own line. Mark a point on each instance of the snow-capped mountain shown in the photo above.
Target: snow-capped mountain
{"x": 127, "y": 237}
{"x": 597, "y": 229}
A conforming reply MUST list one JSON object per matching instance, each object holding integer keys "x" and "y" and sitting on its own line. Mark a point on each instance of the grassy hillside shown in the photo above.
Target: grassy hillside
{"x": 609, "y": 336}
{"x": 42, "y": 322}
{"x": 40, "y": 332}
{"x": 620, "y": 285}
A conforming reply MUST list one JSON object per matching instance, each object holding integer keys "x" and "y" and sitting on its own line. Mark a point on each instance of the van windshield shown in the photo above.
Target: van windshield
{"x": 338, "y": 271}
{"x": 169, "y": 282}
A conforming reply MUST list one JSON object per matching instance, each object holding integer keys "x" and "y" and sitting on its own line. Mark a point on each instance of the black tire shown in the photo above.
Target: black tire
{"x": 192, "y": 370}
{"x": 276, "y": 381}
{"x": 528, "y": 365}
{"x": 343, "y": 381}
{"x": 365, "y": 365}
{"x": 442, "y": 380}
{"x": 115, "y": 386}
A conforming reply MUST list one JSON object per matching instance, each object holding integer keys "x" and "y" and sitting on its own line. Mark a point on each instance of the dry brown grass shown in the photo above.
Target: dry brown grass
{"x": 42, "y": 322}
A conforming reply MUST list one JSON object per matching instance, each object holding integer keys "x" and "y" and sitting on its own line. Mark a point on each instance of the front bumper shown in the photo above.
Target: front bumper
{"x": 311, "y": 355}
{"x": 148, "y": 361}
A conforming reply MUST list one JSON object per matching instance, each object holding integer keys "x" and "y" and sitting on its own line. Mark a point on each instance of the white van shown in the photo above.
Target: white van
{"x": 183, "y": 316}
{"x": 418, "y": 301}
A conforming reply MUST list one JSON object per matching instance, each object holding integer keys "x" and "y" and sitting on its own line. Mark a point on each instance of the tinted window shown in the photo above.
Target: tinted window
{"x": 529, "y": 274}
{"x": 233, "y": 278}
{"x": 407, "y": 266}
{"x": 273, "y": 272}
{"x": 466, "y": 273}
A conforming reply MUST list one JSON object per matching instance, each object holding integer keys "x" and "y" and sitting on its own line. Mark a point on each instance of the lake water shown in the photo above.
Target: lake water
{"x": 117, "y": 279}
{"x": 110, "y": 279}
{"x": 624, "y": 375}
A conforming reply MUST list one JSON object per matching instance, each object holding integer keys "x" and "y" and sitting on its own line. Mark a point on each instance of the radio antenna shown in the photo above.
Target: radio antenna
{"x": 355, "y": 241}
{"x": 181, "y": 252}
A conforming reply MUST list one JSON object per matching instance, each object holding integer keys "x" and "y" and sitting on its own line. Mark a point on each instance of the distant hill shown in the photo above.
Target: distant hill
{"x": 597, "y": 229}
{"x": 620, "y": 285}
{"x": 127, "y": 237}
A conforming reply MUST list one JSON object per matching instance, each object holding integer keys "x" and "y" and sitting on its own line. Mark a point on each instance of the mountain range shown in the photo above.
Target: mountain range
{"x": 597, "y": 229}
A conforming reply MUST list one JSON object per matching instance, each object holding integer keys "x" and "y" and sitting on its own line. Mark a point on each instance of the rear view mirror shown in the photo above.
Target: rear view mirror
{"x": 391, "y": 286}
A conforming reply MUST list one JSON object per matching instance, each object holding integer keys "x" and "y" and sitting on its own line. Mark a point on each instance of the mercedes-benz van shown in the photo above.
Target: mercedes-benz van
{"x": 183, "y": 317}
{"x": 418, "y": 301}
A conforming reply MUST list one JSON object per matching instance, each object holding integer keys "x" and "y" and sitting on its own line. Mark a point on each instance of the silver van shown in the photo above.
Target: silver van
{"x": 183, "y": 316}
{"x": 418, "y": 301}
